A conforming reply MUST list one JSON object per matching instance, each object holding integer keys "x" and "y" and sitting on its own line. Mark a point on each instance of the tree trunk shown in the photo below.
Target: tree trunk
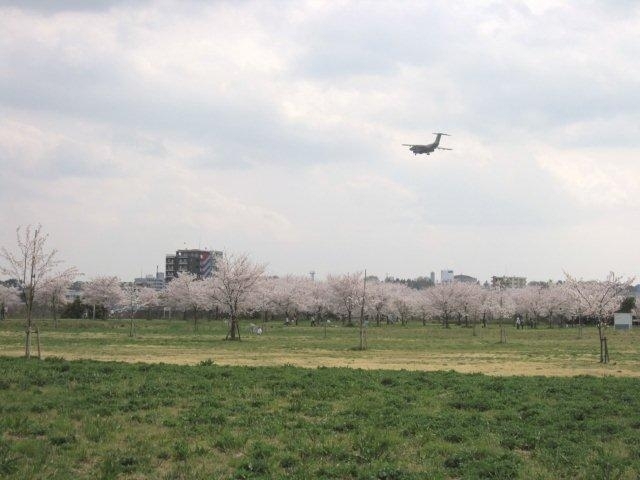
{"x": 195, "y": 319}
{"x": 363, "y": 332}
{"x": 38, "y": 342}
{"x": 234, "y": 329}
{"x": 604, "y": 351}
{"x": 54, "y": 310}
{"x": 27, "y": 347}
{"x": 503, "y": 334}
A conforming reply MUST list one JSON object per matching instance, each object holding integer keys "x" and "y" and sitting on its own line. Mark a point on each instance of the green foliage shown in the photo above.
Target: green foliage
{"x": 82, "y": 419}
{"x": 628, "y": 304}
{"x": 74, "y": 309}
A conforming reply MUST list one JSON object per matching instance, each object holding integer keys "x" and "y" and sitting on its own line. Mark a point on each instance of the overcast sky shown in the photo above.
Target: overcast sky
{"x": 132, "y": 129}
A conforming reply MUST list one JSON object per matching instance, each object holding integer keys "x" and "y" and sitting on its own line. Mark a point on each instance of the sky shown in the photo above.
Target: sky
{"x": 131, "y": 129}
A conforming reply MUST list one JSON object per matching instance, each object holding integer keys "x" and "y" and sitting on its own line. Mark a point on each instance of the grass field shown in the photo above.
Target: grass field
{"x": 541, "y": 351}
{"x": 87, "y": 419}
{"x": 191, "y": 410}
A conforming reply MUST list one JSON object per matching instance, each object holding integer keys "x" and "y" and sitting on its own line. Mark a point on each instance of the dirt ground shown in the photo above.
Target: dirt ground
{"x": 498, "y": 365}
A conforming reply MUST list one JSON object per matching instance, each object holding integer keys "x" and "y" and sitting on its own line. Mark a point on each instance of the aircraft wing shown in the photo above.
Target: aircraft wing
{"x": 442, "y": 148}
{"x": 412, "y": 145}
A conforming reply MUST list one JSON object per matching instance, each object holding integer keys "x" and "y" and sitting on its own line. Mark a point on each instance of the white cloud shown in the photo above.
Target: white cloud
{"x": 275, "y": 128}
{"x": 598, "y": 181}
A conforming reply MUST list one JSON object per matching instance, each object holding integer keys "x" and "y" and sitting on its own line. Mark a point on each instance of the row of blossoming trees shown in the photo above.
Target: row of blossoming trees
{"x": 239, "y": 287}
{"x": 347, "y": 296}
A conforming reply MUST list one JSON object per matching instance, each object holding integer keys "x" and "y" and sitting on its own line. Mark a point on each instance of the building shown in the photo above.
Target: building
{"x": 150, "y": 281}
{"x": 446, "y": 276}
{"x": 432, "y": 277}
{"x": 201, "y": 263}
{"x": 465, "y": 279}
{"x": 622, "y": 321}
{"x": 508, "y": 282}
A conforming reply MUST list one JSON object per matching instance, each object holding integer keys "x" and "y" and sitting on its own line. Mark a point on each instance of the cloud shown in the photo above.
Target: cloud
{"x": 275, "y": 127}
{"x": 596, "y": 181}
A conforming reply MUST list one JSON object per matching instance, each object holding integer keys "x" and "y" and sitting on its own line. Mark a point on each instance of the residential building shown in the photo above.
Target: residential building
{"x": 446, "y": 276}
{"x": 201, "y": 263}
{"x": 465, "y": 279}
{"x": 150, "y": 281}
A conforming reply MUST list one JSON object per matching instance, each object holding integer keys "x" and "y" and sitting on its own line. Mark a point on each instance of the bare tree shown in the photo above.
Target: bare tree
{"x": 235, "y": 278}
{"x": 31, "y": 265}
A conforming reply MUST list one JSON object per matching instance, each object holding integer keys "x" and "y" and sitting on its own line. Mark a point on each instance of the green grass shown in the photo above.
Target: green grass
{"x": 556, "y": 351}
{"x": 85, "y": 419}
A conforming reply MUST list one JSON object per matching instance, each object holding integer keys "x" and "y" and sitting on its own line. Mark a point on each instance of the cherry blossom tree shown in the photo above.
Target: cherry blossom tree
{"x": 346, "y": 294}
{"x": 379, "y": 297}
{"x": 402, "y": 301}
{"x": 556, "y": 303}
{"x": 148, "y": 298}
{"x": 468, "y": 301}
{"x": 444, "y": 299}
{"x": 423, "y": 308}
{"x": 53, "y": 292}
{"x": 598, "y": 299}
{"x": 9, "y": 298}
{"x": 286, "y": 296}
{"x": 258, "y": 300}
{"x": 531, "y": 302}
{"x": 131, "y": 301}
{"x": 501, "y": 305}
{"x": 235, "y": 278}
{"x": 103, "y": 291}
{"x": 187, "y": 293}
{"x": 316, "y": 301}
{"x": 31, "y": 265}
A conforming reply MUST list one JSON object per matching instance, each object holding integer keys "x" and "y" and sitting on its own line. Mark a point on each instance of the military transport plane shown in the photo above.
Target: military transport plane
{"x": 416, "y": 149}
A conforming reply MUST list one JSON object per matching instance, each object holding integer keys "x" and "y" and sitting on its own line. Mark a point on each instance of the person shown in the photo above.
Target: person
{"x": 518, "y": 322}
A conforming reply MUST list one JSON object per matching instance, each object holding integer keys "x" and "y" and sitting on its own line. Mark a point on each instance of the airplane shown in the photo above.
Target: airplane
{"x": 416, "y": 149}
